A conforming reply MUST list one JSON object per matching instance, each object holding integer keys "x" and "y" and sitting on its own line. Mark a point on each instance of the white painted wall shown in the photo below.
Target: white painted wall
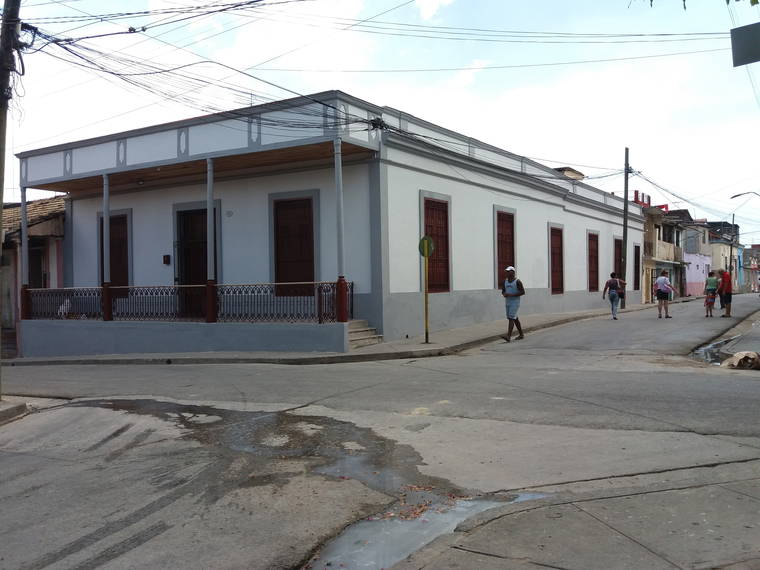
{"x": 245, "y": 227}
{"x": 472, "y": 227}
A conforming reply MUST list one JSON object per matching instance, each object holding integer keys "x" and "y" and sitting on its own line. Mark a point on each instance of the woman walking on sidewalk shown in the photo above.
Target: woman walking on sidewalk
{"x": 512, "y": 290}
{"x": 616, "y": 288}
{"x": 663, "y": 288}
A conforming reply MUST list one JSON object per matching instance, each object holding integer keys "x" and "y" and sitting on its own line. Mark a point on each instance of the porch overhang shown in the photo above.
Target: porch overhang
{"x": 194, "y": 171}
{"x": 294, "y": 132}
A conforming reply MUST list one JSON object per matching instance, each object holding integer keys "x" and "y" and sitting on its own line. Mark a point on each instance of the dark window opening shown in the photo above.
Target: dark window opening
{"x": 618, "y": 261}
{"x": 38, "y": 274}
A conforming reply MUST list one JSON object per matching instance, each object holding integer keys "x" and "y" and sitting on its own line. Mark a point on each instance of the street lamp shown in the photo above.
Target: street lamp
{"x": 745, "y": 193}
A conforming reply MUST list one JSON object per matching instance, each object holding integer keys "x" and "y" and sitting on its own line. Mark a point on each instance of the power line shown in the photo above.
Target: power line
{"x": 488, "y": 67}
{"x": 693, "y": 203}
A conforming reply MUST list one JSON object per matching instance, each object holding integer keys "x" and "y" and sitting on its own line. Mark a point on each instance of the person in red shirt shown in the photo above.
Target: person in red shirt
{"x": 725, "y": 291}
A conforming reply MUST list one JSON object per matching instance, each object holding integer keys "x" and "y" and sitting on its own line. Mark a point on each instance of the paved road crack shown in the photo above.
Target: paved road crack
{"x": 632, "y": 539}
{"x": 500, "y": 557}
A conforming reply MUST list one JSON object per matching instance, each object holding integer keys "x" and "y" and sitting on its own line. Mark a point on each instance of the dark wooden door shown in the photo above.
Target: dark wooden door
{"x": 191, "y": 247}
{"x": 557, "y": 263}
{"x": 191, "y": 261}
{"x": 294, "y": 246}
{"x": 618, "y": 262}
{"x": 505, "y": 245}
{"x": 119, "y": 250}
{"x": 437, "y": 227}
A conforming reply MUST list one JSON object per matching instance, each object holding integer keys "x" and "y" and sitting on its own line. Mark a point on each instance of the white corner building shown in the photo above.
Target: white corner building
{"x": 305, "y": 191}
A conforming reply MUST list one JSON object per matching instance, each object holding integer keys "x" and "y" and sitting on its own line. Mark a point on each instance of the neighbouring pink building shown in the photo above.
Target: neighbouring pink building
{"x": 697, "y": 255}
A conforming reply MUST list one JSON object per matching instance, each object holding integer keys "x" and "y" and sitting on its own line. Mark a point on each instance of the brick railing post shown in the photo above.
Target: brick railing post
{"x": 107, "y": 303}
{"x": 211, "y": 304}
{"x": 341, "y": 300}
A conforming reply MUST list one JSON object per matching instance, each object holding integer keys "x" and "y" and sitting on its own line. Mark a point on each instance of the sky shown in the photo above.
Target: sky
{"x": 572, "y": 85}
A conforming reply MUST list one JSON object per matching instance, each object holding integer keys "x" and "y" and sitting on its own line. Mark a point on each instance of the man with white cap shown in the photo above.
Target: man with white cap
{"x": 512, "y": 291}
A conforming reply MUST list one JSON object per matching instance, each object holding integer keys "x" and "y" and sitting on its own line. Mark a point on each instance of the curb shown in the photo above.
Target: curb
{"x": 12, "y": 412}
{"x": 327, "y": 359}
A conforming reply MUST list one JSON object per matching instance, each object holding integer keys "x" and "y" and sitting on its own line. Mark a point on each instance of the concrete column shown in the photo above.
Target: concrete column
{"x": 210, "y": 242}
{"x": 211, "y": 301}
{"x": 106, "y": 290}
{"x": 106, "y": 230}
{"x": 339, "y": 205}
{"x": 24, "y": 241}
{"x": 25, "y": 302}
{"x": 341, "y": 293}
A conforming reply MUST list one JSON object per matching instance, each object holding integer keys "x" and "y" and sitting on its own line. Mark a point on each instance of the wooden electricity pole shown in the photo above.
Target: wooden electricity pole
{"x": 8, "y": 44}
{"x": 624, "y": 253}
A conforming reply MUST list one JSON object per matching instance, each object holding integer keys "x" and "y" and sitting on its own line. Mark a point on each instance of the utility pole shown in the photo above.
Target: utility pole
{"x": 731, "y": 250}
{"x": 8, "y": 43}
{"x": 625, "y": 225}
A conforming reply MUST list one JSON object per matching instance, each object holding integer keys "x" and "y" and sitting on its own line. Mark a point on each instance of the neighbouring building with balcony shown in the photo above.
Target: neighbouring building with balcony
{"x": 663, "y": 250}
{"x": 725, "y": 251}
{"x": 270, "y": 227}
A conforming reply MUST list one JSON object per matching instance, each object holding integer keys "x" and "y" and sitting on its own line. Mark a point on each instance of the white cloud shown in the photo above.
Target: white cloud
{"x": 429, "y": 8}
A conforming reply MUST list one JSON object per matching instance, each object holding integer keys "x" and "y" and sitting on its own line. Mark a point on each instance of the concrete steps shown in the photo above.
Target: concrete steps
{"x": 361, "y": 334}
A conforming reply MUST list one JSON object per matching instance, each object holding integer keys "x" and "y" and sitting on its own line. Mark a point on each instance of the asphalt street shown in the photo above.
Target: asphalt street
{"x": 584, "y": 404}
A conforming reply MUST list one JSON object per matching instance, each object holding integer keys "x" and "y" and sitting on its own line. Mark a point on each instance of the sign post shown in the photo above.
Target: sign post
{"x": 426, "y": 248}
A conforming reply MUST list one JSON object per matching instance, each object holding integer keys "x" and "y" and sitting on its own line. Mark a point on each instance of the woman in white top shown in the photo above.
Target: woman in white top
{"x": 663, "y": 288}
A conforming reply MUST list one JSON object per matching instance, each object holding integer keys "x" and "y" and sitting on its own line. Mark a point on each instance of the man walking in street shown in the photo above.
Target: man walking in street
{"x": 512, "y": 290}
{"x": 725, "y": 291}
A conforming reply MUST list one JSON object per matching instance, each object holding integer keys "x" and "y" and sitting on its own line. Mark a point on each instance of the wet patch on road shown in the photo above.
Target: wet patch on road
{"x": 710, "y": 353}
{"x": 257, "y": 448}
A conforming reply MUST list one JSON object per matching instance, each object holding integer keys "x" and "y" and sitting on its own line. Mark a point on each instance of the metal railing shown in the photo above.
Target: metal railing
{"x": 258, "y": 302}
{"x": 159, "y": 303}
{"x": 66, "y": 303}
{"x": 279, "y": 302}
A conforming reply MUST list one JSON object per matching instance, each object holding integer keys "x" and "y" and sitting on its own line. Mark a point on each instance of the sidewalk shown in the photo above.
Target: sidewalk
{"x": 441, "y": 343}
{"x": 706, "y": 520}
{"x": 749, "y": 340}
{"x": 11, "y": 408}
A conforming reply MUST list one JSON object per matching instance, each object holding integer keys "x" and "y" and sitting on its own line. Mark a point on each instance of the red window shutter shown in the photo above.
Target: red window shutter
{"x": 505, "y": 244}
{"x": 593, "y": 262}
{"x": 437, "y": 227}
{"x": 558, "y": 277}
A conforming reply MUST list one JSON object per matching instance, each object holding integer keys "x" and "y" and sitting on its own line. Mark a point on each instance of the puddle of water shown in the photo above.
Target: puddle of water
{"x": 381, "y": 541}
{"x": 710, "y": 353}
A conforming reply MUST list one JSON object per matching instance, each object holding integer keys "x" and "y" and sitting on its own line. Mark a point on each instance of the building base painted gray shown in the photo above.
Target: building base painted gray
{"x": 78, "y": 338}
{"x": 404, "y": 312}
